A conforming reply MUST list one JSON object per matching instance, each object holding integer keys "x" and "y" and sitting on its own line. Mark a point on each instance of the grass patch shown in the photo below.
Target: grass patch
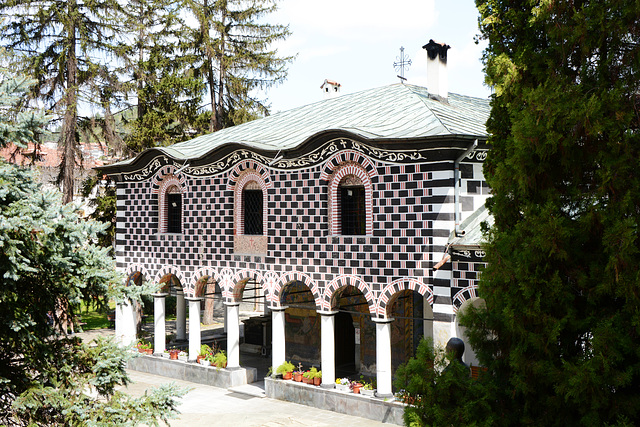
{"x": 94, "y": 319}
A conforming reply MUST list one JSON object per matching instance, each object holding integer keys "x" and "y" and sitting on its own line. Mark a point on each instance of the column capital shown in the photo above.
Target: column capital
{"x": 160, "y": 295}
{"x": 193, "y": 298}
{"x": 279, "y": 308}
{"x": 327, "y": 313}
{"x": 382, "y": 320}
{"x": 231, "y": 304}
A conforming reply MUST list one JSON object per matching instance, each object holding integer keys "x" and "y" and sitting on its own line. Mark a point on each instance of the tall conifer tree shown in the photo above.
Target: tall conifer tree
{"x": 167, "y": 90}
{"x": 237, "y": 56}
{"x": 65, "y": 45}
{"x": 561, "y": 327}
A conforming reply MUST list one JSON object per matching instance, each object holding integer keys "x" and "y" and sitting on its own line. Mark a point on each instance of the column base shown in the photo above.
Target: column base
{"x": 327, "y": 386}
{"x": 385, "y": 396}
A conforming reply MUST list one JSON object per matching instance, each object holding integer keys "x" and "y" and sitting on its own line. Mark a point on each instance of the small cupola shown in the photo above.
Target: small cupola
{"x": 437, "y": 81}
{"x": 330, "y": 88}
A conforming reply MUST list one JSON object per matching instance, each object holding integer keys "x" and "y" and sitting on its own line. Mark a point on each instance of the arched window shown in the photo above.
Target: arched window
{"x": 350, "y": 201}
{"x": 353, "y": 219}
{"x": 173, "y": 209}
{"x": 252, "y": 208}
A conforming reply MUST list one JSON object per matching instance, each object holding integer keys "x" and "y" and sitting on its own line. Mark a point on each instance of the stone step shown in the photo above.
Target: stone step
{"x": 255, "y": 389}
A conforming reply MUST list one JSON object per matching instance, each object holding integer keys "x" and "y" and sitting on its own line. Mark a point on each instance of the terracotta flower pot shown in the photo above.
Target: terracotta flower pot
{"x": 149, "y": 351}
{"x": 297, "y": 376}
{"x": 199, "y": 358}
{"x": 356, "y": 388}
{"x": 317, "y": 381}
{"x": 173, "y": 354}
{"x": 287, "y": 375}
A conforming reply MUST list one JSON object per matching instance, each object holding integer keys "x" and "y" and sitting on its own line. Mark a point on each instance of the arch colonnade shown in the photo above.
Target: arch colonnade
{"x": 232, "y": 284}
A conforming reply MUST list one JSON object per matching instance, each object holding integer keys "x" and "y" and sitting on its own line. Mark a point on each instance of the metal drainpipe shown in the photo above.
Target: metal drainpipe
{"x": 456, "y": 188}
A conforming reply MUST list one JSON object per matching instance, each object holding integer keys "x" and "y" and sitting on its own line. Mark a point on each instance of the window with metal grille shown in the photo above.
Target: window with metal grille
{"x": 352, "y": 212}
{"x": 252, "y": 205}
{"x": 174, "y": 212}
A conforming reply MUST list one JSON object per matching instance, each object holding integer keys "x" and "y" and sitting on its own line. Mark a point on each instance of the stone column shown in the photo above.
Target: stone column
{"x": 233, "y": 334}
{"x": 327, "y": 348}
{"x": 126, "y": 323}
{"x": 181, "y": 318}
{"x": 194, "y": 327}
{"x": 277, "y": 337}
{"x": 159, "y": 324}
{"x": 383, "y": 357}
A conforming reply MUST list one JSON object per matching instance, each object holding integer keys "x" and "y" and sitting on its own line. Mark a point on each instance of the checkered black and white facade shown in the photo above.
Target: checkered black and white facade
{"x": 409, "y": 209}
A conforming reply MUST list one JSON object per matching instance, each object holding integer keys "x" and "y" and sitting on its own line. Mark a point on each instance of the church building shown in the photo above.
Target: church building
{"x": 346, "y": 217}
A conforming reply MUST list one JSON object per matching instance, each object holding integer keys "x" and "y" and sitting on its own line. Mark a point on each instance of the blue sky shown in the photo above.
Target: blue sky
{"x": 356, "y": 42}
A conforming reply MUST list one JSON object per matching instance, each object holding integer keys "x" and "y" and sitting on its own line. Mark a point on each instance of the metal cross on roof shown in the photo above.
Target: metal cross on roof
{"x": 402, "y": 62}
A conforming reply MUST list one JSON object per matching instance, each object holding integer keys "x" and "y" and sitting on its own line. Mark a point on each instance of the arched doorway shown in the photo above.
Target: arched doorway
{"x": 345, "y": 345}
{"x": 413, "y": 320}
{"x": 302, "y": 325}
{"x": 354, "y": 334}
{"x": 175, "y": 309}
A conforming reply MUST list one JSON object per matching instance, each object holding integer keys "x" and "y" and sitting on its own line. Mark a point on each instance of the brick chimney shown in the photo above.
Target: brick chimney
{"x": 437, "y": 81}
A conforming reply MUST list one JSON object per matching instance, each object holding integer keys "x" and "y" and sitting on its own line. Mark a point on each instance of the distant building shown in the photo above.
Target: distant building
{"x": 46, "y": 159}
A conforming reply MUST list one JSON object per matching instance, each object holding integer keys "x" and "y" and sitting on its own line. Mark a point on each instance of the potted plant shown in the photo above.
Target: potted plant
{"x": 367, "y": 388}
{"x": 307, "y": 377}
{"x": 317, "y": 377}
{"x": 355, "y": 387}
{"x": 219, "y": 360}
{"x": 286, "y": 370}
{"x": 183, "y": 356}
{"x": 297, "y": 375}
{"x": 173, "y": 354}
{"x": 205, "y": 350}
{"x": 165, "y": 354}
{"x": 144, "y": 347}
{"x": 342, "y": 384}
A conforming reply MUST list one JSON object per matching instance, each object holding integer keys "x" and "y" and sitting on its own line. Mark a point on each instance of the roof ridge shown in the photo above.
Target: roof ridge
{"x": 424, "y": 101}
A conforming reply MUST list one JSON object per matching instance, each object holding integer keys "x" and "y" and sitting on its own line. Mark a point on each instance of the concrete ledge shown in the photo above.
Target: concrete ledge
{"x": 210, "y": 375}
{"x": 332, "y": 400}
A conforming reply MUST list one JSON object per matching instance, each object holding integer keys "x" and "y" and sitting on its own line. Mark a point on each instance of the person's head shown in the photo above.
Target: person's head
{"x": 455, "y": 348}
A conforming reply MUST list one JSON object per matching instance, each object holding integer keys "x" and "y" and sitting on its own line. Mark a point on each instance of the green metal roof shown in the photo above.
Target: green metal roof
{"x": 391, "y": 112}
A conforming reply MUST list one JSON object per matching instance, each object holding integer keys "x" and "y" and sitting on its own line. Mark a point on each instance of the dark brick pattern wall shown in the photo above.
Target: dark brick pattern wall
{"x": 407, "y": 200}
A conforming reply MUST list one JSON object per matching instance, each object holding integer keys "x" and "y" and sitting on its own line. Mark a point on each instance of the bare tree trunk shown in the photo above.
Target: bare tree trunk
{"x": 68, "y": 136}
{"x": 209, "y": 302}
{"x": 218, "y": 109}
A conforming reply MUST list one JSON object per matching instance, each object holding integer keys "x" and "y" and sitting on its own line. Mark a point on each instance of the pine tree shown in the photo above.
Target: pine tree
{"x": 48, "y": 256}
{"x": 236, "y": 56}
{"x": 166, "y": 89}
{"x": 66, "y": 46}
{"x": 561, "y": 327}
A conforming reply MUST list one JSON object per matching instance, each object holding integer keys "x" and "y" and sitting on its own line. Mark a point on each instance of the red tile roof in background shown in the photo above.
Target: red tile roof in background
{"x": 92, "y": 155}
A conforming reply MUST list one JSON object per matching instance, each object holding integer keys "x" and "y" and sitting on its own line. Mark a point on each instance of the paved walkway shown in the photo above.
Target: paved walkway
{"x": 243, "y": 406}
{"x": 206, "y": 405}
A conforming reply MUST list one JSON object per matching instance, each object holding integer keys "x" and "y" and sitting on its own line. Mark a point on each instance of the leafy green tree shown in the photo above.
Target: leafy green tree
{"x": 65, "y": 46}
{"x": 237, "y": 58}
{"x": 440, "y": 392}
{"x": 560, "y": 332}
{"x": 49, "y": 258}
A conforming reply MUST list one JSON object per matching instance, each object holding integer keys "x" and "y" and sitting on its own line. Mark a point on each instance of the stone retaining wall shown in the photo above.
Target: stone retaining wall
{"x": 187, "y": 371}
{"x": 358, "y": 405}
